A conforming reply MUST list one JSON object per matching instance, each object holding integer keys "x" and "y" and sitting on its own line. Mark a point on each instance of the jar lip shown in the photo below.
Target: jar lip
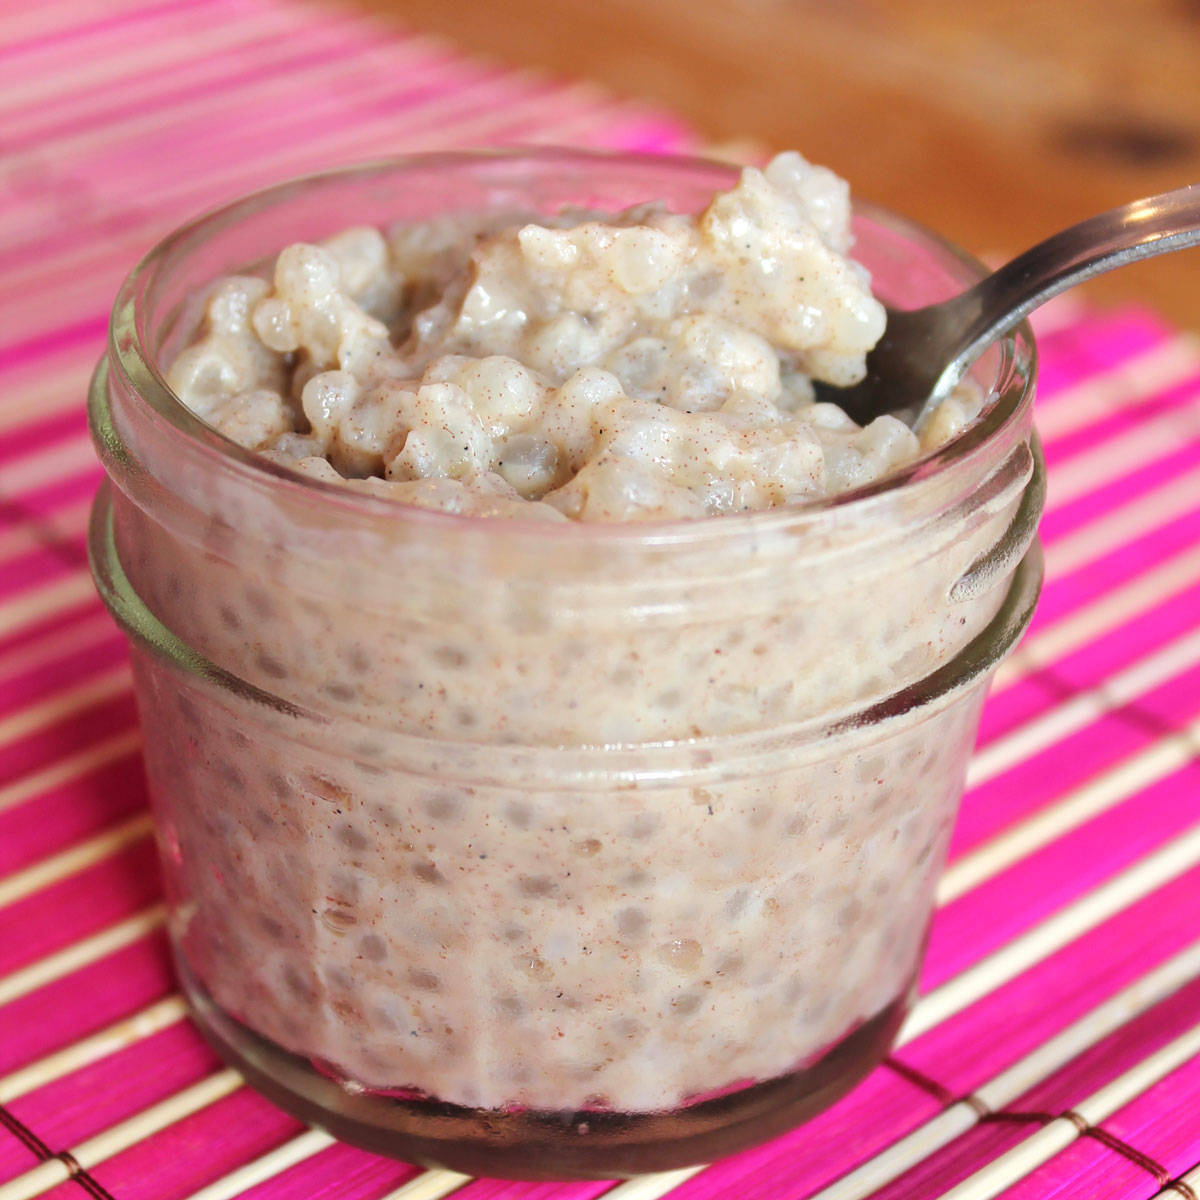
{"x": 1010, "y": 392}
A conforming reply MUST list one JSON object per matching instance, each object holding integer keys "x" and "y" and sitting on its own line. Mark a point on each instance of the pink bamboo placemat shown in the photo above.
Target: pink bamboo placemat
{"x": 1056, "y": 1048}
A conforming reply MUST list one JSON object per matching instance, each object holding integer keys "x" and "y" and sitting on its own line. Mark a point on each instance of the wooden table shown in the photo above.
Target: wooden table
{"x": 995, "y": 121}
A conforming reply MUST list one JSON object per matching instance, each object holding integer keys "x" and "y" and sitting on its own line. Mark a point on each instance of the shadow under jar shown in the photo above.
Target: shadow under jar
{"x": 548, "y": 850}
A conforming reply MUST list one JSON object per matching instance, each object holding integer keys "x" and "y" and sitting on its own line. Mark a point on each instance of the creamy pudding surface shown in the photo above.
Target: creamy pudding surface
{"x": 601, "y": 367}
{"x": 526, "y": 824}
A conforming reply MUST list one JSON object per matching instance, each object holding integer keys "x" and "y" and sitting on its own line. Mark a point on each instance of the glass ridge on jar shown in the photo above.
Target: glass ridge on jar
{"x": 548, "y": 850}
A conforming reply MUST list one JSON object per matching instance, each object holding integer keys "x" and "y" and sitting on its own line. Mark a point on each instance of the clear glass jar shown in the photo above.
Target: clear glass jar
{"x": 548, "y": 850}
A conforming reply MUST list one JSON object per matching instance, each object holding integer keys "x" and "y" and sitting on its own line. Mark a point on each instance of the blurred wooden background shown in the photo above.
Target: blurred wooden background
{"x": 995, "y": 121}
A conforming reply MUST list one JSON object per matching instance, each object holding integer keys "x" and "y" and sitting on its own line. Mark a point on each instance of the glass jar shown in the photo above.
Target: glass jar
{"x": 534, "y": 849}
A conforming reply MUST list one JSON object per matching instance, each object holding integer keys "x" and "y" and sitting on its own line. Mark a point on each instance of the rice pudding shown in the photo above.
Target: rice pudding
{"x": 585, "y": 781}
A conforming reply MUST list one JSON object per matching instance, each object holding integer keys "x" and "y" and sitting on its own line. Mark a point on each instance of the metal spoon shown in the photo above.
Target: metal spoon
{"x": 925, "y": 351}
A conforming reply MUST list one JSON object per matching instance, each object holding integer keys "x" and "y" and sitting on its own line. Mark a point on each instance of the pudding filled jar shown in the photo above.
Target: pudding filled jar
{"x": 548, "y": 850}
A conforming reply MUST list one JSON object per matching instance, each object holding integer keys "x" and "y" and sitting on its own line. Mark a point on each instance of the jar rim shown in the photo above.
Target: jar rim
{"x": 1010, "y": 392}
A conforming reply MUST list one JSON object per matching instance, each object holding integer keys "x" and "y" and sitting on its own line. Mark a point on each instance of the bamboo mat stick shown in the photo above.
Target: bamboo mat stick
{"x": 1085, "y": 708}
{"x": 1036, "y": 1066}
{"x": 1055, "y": 1137}
{"x": 1176, "y": 1188}
{"x": 62, "y": 460}
{"x": 1156, "y": 508}
{"x": 77, "y": 858}
{"x": 1136, "y": 448}
{"x": 281, "y": 1159}
{"x": 40, "y": 603}
{"x": 468, "y": 115}
{"x": 1162, "y": 758}
{"x": 1090, "y": 910}
{"x": 651, "y": 1187}
{"x": 118, "y": 1036}
{"x": 431, "y": 1185}
{"x": 1121, "y": 388}
{"x": 81, "y": 954}
{"x": 35, "y": 404}
{"x": 123, "y": 1135}
{"x": 113, "y": 682}
{"x": 1117, "y": 607}
{"x": 56, "y": 644}
{"x": 73, "y": 766}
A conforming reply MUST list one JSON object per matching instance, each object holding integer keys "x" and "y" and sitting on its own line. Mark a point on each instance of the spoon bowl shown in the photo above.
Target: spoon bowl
{"x": 924, "y": 352}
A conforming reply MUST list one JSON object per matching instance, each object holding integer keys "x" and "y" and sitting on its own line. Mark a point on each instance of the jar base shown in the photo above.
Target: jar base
{"x": 544, "y": 1145}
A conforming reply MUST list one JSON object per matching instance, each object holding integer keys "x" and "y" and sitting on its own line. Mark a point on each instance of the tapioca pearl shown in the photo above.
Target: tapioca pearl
{"x": 229, "y": 617}
{"x": 338, "y": 978}
{"x": 729, "y": 965}
{"x": 644, "y": 825}
{"x": 338, "y": 920}
{"x": 628, "y": 1029}
{"x": 670, "y": 700}
{"x": 373, "y": 947}
{"x": 259, "y": 602}
{"x": 738, "y": 903}
{"x": 444, "y": 805}
{"x": 239, "y": 741}
{"x": 230, "y": 778}
{"x": 528, "y": 463}
{"x": 527, "y": 615}
{"x": 358, "y": 658}
{"x": 835, "y": 823}
{"x": 534, "y": 967}
{"x": 758, "y": 816}
{"x": 853, "y": 914}
{"x": 219, "y": 825}
{"x": 635, "y": 877}
{"x": 328, "y": 789}
{"x": 289, "y": 885}
{"x": 368, "y": 750}
{"x": 452, "y": 657}
{"x": 428, "y": 873}
{"x": 518, "y": 814}
{"x": 466, "y": 718}
{"x": 681, "y": 954}
{"x": 424, "y": 981}
{"x": 684, "y": 1004}
{"x": 352, "y": 837}
{"x": 510, "y": 1008}
{"x": 388, "y": 817}
{"x": 881, "y": 797}
{"x": 622, "y": 676}
{"x": 871, "y": 768}
{"x": 347, "y": 887}
{"x": 348, "y": 1009}
{"x": 537, "y": 885}
{"x": 345, "y": 693}
{"x": 300, "y": 983}
{"x": 270, "y": 666}
{"x": 799, "y": 824}
{"x": 588, "y": 847}
{"x": 632, "y": 923}
{"x": 273, "y": 927}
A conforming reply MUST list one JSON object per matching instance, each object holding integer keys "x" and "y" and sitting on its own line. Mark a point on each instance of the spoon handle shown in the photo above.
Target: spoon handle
{"x": 1154, "y": 225}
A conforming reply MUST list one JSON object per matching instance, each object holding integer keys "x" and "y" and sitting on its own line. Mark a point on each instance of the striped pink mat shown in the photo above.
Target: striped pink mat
{"x": 1056, "y": 1049}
